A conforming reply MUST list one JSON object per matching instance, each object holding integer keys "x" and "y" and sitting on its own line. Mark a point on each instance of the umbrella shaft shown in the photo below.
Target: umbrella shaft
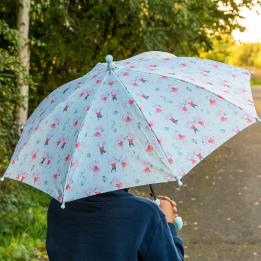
{"x": 152, "y": 193}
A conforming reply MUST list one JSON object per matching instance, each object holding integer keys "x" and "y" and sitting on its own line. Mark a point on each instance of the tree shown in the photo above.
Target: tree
{"x": 23, "y": 19}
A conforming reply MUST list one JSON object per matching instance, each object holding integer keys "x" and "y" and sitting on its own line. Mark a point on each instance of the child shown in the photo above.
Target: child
{"x": 113, "y": 226}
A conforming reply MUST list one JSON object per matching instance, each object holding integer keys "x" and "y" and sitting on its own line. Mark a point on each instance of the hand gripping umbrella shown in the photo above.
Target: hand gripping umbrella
{"x": 144, "y": 120}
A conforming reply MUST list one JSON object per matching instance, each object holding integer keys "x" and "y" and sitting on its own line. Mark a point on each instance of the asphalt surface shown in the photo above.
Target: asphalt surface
{"x": 220, "y": 201}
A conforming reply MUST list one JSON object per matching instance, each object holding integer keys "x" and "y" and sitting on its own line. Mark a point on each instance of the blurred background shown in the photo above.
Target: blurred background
{"x": 45, "y": 43}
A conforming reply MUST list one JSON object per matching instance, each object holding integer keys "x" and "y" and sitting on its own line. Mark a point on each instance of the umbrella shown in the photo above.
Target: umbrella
{"x": 144, "y": 120}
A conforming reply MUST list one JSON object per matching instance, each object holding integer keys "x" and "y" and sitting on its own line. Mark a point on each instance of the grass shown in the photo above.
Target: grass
{"x": 22, "y": 222}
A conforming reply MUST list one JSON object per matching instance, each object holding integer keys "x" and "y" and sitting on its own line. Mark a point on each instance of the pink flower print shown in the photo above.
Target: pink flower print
{"x": 119, "y": 185}
{"x": 201, "y": 122}
{"x": 158, "y": 109}
{"x": 174, "y": 89}
{"x": 43, "y": 160}
{"x": 223, "y": 118}
{"x": 113, "y": 166}
{"x": 192, "y": 104}
{"x": 49, "y": 162}
{"x": 181, "y": 136}
{"x": 170, "y": 160}
{"x": 13, "y": 162}
{"x": 66, "y": 108}
{"x": 183, "y": 65}
{"x": 105, "y": 98}
{"x": 193, "y": 161}
{"x": 120, "y": 143}
{"x": 131, "y": 102}
{"x": 97, "y": 134}
{"x": 124, "y": 164}
{"x": 53, "y": 125}
{"x": 142, "y": 80}
{"x": 36, "y": 179}
{"x": 125, "y": 74}
{"x": 64, "y": 143}
{"x": 128, "y": 119}
{"x": 23, "y": 178}
{"x": 47, "y": 141}
{"x": 173, "y": 120}
{"x": 110, "y": 83}
{"x": 145, "y": 96}
{"x": 194, "y": 128}
{"x": 212, "y": 101}
{"x": 77, "y": 145}
{"x": 86, "y": 96}
{"x": 184, "y": 108}
{"x": 149, "y": 148}
{"x": 211, "y": 140}
{"x": 150, "y": 123}
{"x": 135, "y": 84}
{"x": 67, "y": 158}
{"x": 114, "y": 96}
{"x": 98, "y": 81}
{"x": 88, "y": 107}
{"x": 95, "y": 169}
{"x": 55, "y": 176}
{"x": 248, "y": 120}
{"x": 98, "y": 115}
{"x": 52, "y": 101}
{"x": 147, "y": 170}
{"x": 102, "y": 149}
{"x": 75, "y": 123}
{"x": 34, "y": 156}
{"x": 199, "y": 155}
{"x": 67, "y": 187}
{"x": 82, "y": 94}
{"x": 131, "y": 143}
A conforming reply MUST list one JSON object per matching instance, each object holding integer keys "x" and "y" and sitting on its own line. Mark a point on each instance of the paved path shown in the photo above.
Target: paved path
{"x": 220, "y": 201}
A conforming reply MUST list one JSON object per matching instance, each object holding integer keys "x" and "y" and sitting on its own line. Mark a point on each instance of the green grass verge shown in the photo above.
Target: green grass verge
{"x": 23, "y": 213}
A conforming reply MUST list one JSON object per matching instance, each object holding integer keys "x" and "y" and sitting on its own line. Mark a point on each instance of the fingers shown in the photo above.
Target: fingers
{"x": 171, "y": 202}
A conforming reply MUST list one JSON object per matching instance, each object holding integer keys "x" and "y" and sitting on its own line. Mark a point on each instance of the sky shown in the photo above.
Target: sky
{"x": 252, "y": 22}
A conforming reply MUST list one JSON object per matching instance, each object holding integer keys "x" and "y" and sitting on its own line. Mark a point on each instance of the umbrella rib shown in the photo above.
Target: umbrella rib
{"x": 152, "y": 131}
{"x": 176, "y": 78}
{"x": 94, "y": 96}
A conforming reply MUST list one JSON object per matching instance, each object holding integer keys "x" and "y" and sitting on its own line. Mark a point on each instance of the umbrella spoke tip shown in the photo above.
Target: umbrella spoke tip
{"x": 63, "y": 205}
{"x": 2, "y": 178}
{"x": 258, "y": 120}
{"x": 180, "y": 183}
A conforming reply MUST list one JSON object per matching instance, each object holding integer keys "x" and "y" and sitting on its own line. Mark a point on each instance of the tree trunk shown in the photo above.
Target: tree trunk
{"x": 23, "y": 20}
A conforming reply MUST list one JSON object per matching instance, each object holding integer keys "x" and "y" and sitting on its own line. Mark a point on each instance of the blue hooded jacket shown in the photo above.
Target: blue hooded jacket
{"x": 113, "y": 226}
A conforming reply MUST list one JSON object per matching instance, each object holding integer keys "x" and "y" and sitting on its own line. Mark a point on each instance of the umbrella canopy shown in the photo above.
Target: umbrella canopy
{"x": 147, "y": 119}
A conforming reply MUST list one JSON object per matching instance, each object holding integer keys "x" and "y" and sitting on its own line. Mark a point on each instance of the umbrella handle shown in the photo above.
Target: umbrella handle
{"x": 178, "y": 220}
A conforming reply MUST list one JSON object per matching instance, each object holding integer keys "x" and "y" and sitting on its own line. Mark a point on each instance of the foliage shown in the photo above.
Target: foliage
{"x": 247, "y": 55}
{"x": 9, "y": 67}
{"x": 22, "y": 222}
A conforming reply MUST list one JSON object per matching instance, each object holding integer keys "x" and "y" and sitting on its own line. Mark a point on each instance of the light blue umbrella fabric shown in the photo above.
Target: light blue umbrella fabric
{"x": 147, "y": 119}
